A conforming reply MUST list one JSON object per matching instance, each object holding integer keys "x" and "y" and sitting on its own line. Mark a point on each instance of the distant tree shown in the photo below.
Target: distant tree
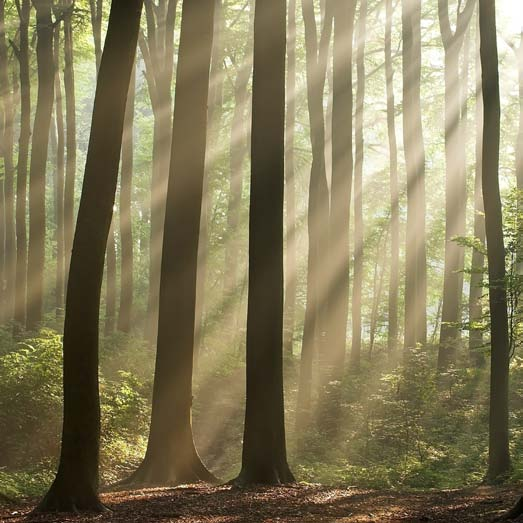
{"x": 264, "y": 457}
{"x": 314, "y": 328}
{"x": 126, "y": 231}
{"x": 361, "y": 35}
{"x": 7, "y": 140}
{"x": 455, "y": 181}
{"x": 171, "y": 456}
{"x": 415, "y": 250}
{"x": 39, "y": 151}
{"x": 290, "y": 189}
{"x": 75, "y": 487}
{"x": 22, "y": 53}
{"x": 478, "y": 256}
{"x": 499, "y": 458}
{"x": 392, "y": 336}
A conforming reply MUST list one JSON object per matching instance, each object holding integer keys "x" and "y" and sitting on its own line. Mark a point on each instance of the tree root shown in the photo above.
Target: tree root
{"x": 513, "y": 513}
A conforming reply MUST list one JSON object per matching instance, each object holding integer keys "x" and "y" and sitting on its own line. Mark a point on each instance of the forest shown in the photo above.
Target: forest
{"x": 261, "y": 260}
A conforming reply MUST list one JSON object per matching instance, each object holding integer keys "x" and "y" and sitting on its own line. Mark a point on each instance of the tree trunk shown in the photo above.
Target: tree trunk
{"x": 264, "y": 457}
{"x": 76, "y": 484}
{"x": 394, "y": 279}
{"x": 42, "y": 123}
{"x": 70, "y": 115}
{"x": 23, "y": 159}
{"x": 455, "y": 185}
{"x": 158, "y": 54}
{"x": 499, "y": 458}
{"x": 110, "y": 282}
{"x": 126, "y": 232}
{"x": 358, "y": 190}
{"x": 318, "y": 209}
{"x": 60, "y": 176}
{"x": 6, "y": 98}
{"x": 290, "y": 189}
{"x": 171, "y": 456}
{"x": 478, "y": 257}
{"x": 415, "y": 254}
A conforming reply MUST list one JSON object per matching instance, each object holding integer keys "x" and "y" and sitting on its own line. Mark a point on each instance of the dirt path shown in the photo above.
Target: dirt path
{"x": 300, "y": 504}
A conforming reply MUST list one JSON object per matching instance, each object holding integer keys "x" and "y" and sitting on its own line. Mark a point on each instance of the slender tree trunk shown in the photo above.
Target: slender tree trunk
{"x": 290, "y": 190}
{"x": 392, "y": 334}
{"x": 499, "y": 458}
{"x": 126, "y": 232}
{"x": 478, "y": 257}
{"x": 110, "y": 282}
{"x": 158, "y": 54}
{"x": 171, "y": 456}
{"x": 358, "y": 190}
{"x": 76, "y": 484}
{"x": 6, "y": 98}
{"x": 264, "y": 457}
{"x": 60, "y": 175}
{"x": 42, "y": 123}
{"x": 96, "y": 9}
{"x": 70, "y": 115}
{"x": 415, "y": 253}
{"x": 318, "y": 209}
{"x": 455, "y": 185}
{"x": 23, "y": 160}
{"x": 212, "y": 157}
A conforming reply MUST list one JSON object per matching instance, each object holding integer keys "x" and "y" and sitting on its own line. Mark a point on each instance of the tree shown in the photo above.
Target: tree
{"x": 171, "y": 456}
{"x": 126, "y": 232}
{"x": 157, "y": 50}
{"x": 455, "y": 184}
{"x": 415, "y": 251}
{"x": 392, "y": 336}
{"x": 76, "y": 483}
{"x": 7, "y": 130}
{"x": 290, "y": 190}
{"x": 22, "y": 53}
{"x": 358, "y": 189}
{"x": 478, "y": 256}
{"x": 499, "y": 458}
{"x": 264, "y": 457}
{"x": 314, "y": 328}
{"x": 37, "y": 170}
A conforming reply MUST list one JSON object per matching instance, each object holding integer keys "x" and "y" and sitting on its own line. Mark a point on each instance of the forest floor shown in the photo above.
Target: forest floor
{"x": 294, "y": 504}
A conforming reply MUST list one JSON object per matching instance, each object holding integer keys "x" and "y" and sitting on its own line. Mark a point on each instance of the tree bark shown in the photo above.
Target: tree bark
{"x": 264, "y": 457}
{"x": 37, "y": 171}
{"x": 76, "y": 484}
{"x": 499, "y": 458}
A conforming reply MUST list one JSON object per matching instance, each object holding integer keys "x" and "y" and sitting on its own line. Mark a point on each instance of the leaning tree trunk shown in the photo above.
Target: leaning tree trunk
{"x": 76, "y": 485}
{"x": 23, "y": 158}
{"x": 499, "y": 458}
{"x": 264, "y": 457}
{"x": 39, "y": 150}
{"x": 171, "y": 456}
